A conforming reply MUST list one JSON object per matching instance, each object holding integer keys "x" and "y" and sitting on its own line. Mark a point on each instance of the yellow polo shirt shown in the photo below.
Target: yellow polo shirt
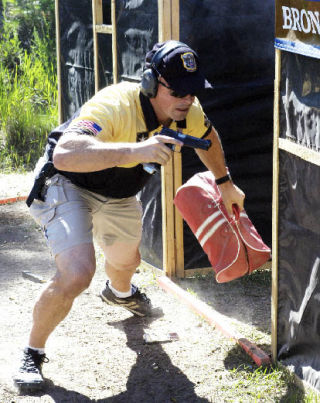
{"x": 115, "y": 114}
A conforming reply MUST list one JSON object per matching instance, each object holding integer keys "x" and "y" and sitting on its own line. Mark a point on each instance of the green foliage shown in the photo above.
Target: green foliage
{"x": 28, "y": 85}
{"x": 29, "y": 16}
{"x": 10, "y": 50}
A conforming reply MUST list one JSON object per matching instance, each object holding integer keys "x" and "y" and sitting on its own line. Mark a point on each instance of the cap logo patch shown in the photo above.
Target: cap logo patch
{"x": 189, "y": 61}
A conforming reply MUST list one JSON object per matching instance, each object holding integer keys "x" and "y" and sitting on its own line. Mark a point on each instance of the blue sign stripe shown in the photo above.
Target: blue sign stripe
{"x": 298, "y": 47}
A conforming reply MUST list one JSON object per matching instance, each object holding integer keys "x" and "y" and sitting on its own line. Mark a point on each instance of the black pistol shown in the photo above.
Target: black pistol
{"x": 188, "y": 141}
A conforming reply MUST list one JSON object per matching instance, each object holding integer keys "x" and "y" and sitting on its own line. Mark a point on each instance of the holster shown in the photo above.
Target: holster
{"x": 233, "y": 245}
{"x": 47, "y": 171}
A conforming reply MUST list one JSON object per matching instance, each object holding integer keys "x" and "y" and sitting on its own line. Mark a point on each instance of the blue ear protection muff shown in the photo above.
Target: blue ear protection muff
{"x": 149, "y": 79}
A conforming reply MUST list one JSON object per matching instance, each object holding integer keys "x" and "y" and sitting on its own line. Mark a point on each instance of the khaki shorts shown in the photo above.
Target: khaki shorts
{"x": 70, "y": 216}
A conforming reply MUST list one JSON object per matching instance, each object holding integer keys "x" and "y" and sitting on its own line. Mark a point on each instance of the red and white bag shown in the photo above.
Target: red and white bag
{"x": 233, "y": 245}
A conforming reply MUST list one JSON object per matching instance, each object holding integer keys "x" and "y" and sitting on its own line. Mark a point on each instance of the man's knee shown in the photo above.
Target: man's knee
{"x": 74, "y": 275}
{"x": 79, "y": 280}
{"x": 125, "y": 265}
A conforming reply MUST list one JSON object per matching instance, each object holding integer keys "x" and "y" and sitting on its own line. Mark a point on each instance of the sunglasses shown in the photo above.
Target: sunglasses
{"x": 173, "y": 93}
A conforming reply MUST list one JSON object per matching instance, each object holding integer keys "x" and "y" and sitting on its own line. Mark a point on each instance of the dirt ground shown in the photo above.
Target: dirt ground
{"x": 98, "y": 353}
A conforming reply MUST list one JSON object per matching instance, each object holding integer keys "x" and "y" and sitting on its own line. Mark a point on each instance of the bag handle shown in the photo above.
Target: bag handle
{"x": 236, "y": 212}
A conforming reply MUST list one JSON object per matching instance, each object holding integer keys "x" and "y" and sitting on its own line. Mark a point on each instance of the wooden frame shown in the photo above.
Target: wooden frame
{"x": 171, "y": 174}
{"x": 300, "y": 151}
{"x": 100, "y": 28}
{"x": 275, "y": 205}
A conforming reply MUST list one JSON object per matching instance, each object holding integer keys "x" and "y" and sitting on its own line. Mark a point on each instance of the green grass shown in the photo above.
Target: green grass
{"x": 28, "y": 110}
{"x": 28, "y": 99}
{"x": 274, "y": 384}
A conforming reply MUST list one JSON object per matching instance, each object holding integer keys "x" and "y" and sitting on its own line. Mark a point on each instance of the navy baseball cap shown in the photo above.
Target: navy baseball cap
{"x": 179, "y": 67}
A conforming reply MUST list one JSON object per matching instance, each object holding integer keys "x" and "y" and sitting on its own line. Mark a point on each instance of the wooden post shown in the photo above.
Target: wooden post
{"x": 58, "y": 47}
{"x": 114, "y": 42}
{"x": 275, "y": 206}
{"x": 97, "y": 19}
{"x": 168, "y": 28}
{"x": 179, "y": 248}
{"x": 100, "y": 28}
{"x": 168, "y": 230}
{"x": 175, "y": 19}
{"x": 177, "y": 161}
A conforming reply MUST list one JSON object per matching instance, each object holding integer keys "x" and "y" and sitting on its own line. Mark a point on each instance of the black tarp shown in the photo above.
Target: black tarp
{"x": 137, "y": 31}
{"x": 298, "y": 336}
{"x": 76, "y": 55}
{"x": 235, "y": 44}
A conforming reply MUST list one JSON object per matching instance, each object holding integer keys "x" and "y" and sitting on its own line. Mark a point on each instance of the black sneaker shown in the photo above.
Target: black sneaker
{"x": 29, "y": 377}
{"x": 138, "y": 303}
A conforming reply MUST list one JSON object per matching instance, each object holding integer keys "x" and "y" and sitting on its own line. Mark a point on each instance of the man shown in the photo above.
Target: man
{"x": 98, "y": 170}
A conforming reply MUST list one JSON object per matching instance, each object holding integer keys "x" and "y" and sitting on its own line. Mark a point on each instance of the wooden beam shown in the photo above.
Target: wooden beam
{"x": 177, "y": 160}
{"x": 168, "y": 230}
{"x": 100, "y": 28}
{"x": 164, "y": 21}
{"x": 167, "y": 26}
{"x": 97, "y": 20}
{"x": 169, "y": 19}
{"x": 220, "y": 321}
{"x": 175, "y": 19}
{"x": 103, "y": 29}
{"x": 167, "y": 180}
{"x": 58, "y": 50}
{"x": 275, "y": 206}
{"x": 173, "y": 249}
{"x": 300, "y": 151}
{"x": 179, "y": 247}
{"x": 98, "y": 13}
{"x": 114, "y": 42}
{"x": 160, "y": 20}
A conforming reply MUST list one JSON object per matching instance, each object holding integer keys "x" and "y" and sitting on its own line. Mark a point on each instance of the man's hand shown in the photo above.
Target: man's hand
{"x": 155, "y": 150}
{"x": 214, "y": 160}
{"x": 231, "y": 194}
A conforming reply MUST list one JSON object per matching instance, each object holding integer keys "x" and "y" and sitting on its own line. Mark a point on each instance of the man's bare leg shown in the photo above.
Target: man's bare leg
{"x": 75, "y": 269}
{"x": 122, "y": 259}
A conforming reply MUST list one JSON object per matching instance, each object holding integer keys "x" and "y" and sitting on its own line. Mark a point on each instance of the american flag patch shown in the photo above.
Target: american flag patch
{"x": 86, "y": 126}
